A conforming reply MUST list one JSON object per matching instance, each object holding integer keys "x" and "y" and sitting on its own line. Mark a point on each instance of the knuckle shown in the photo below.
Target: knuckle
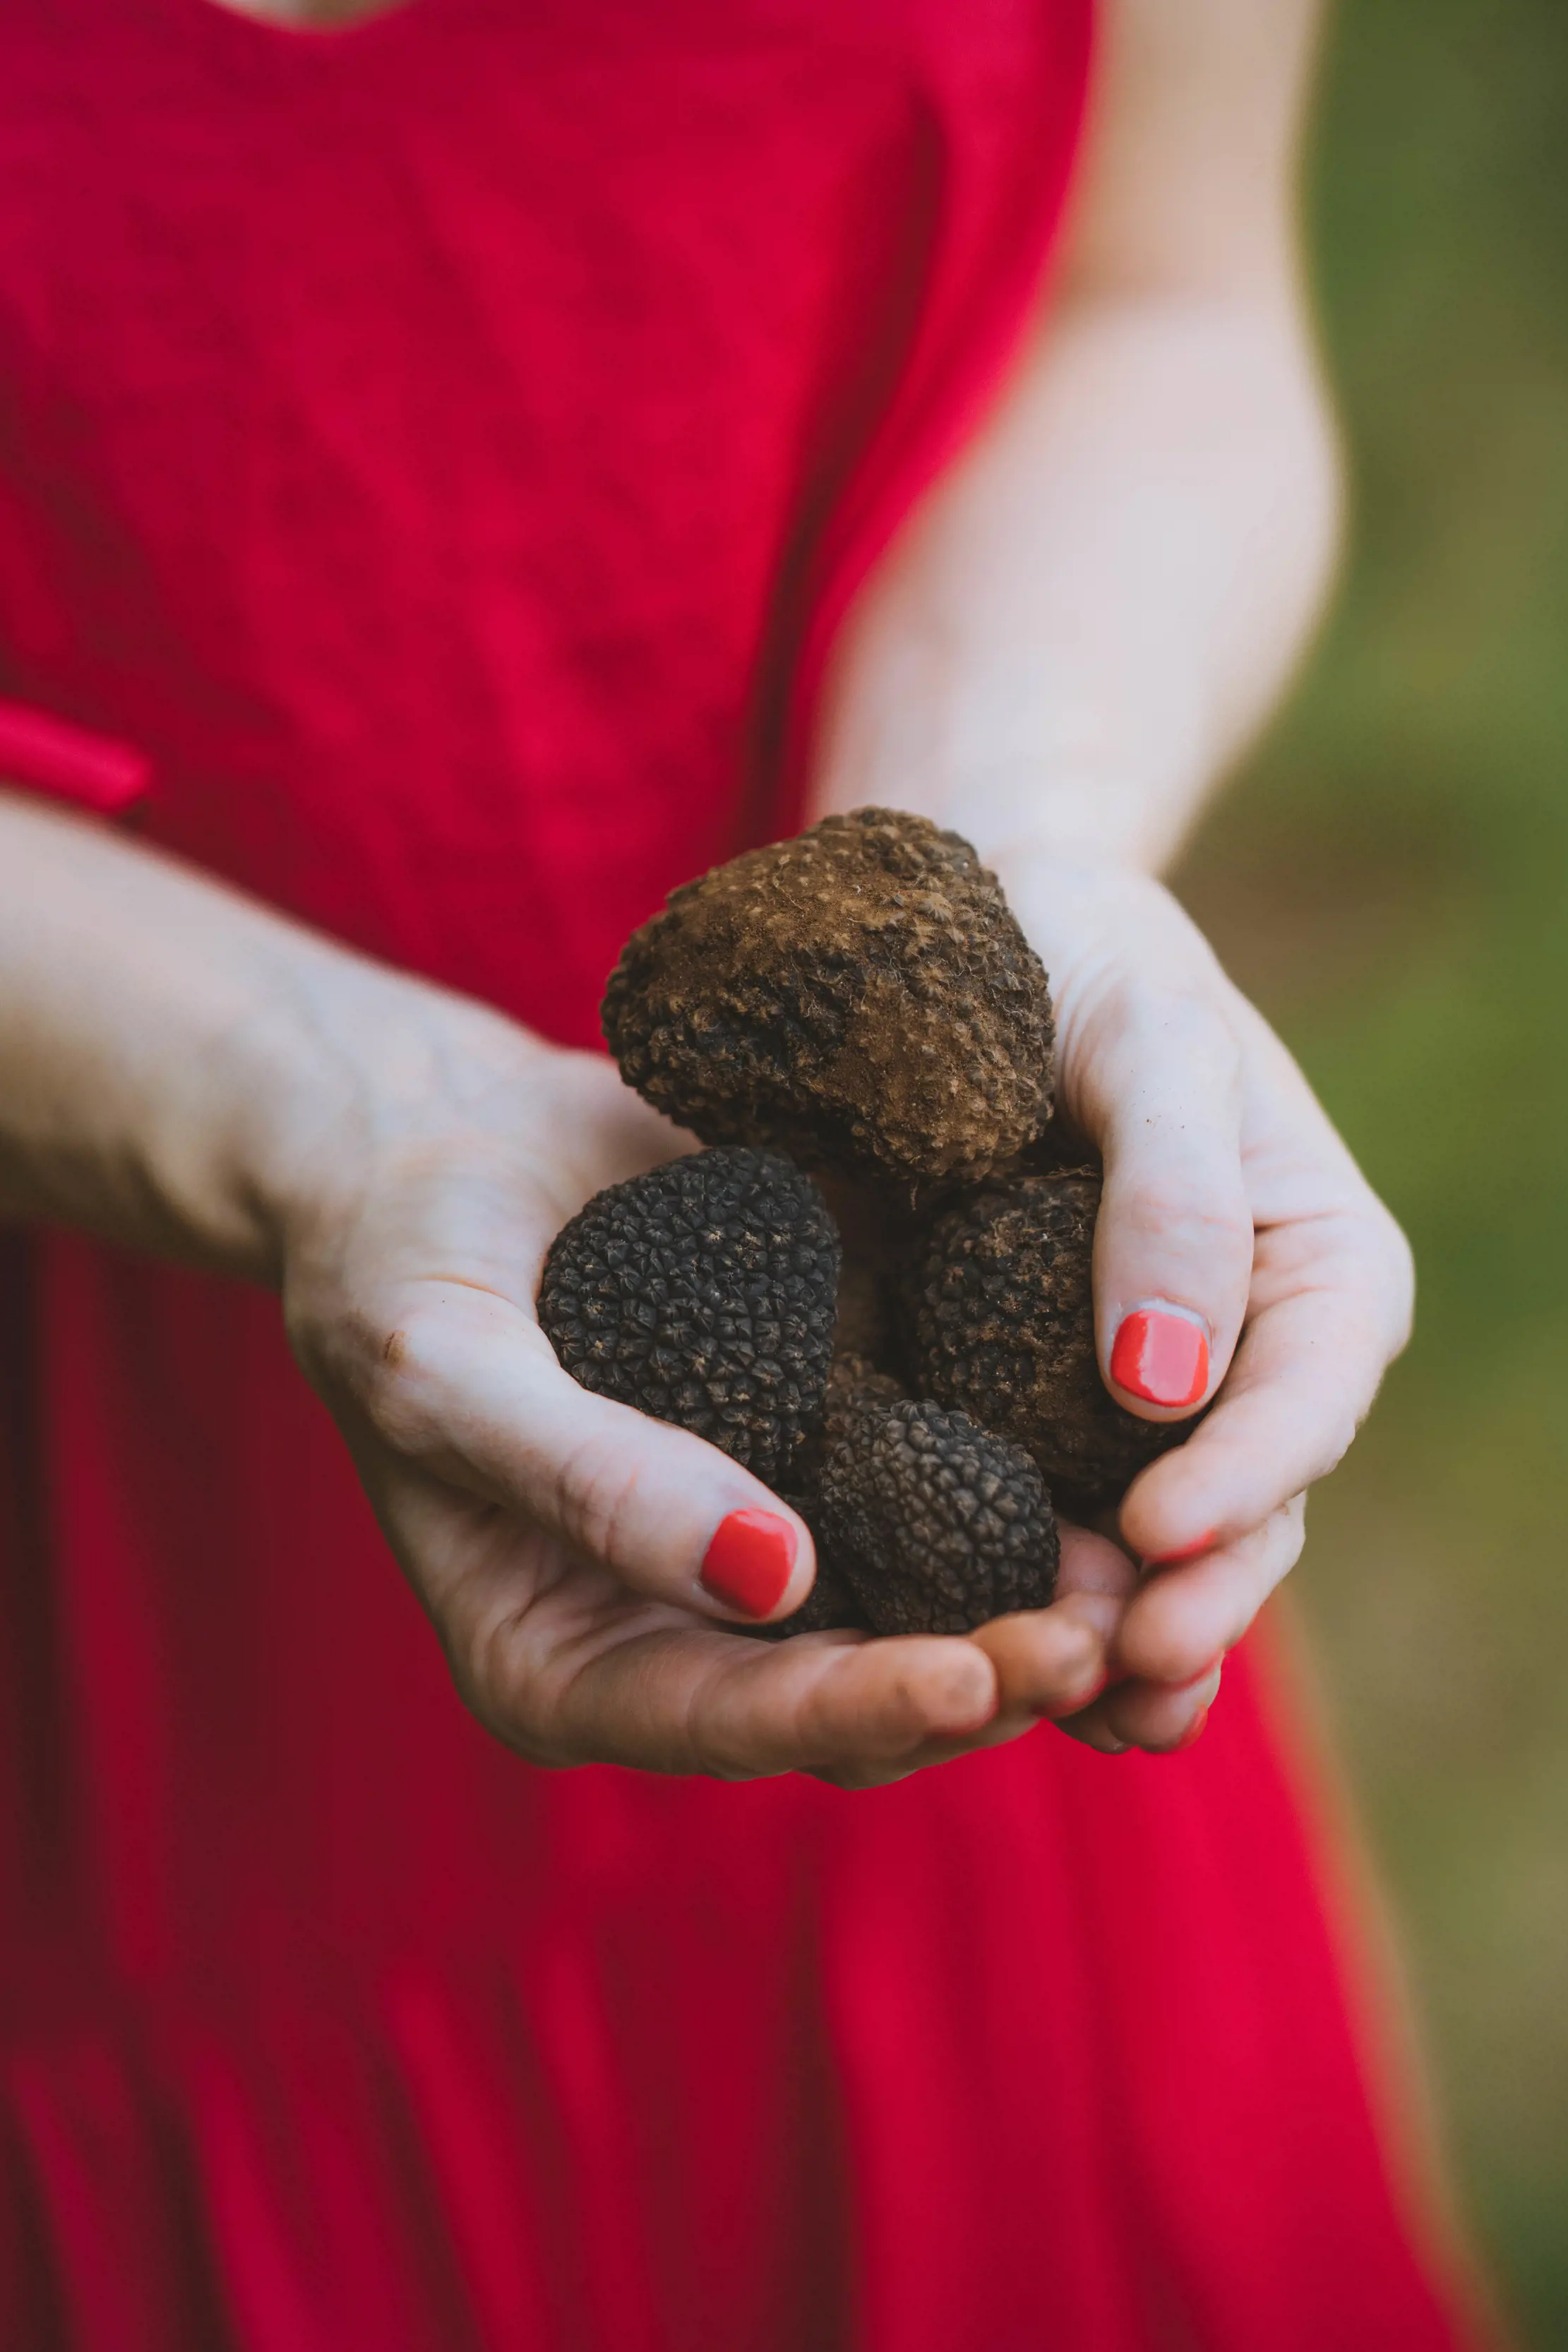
{"x": 1178, "y": 1025}
{"x": 1193, "y": 1212}
{"x": 401, "y": 1385}
{"x": 1132, "y": 1026}
{"x": 594, "y": 1498}
{"x": 485, "y": 1674}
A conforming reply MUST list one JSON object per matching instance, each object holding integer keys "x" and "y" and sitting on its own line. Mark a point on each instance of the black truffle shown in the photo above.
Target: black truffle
{"x": 703, "y": 1293}
{"x": 999, "y": 1321}
{"x": 860, "y": 995}
{"x": 935, "y": 1525}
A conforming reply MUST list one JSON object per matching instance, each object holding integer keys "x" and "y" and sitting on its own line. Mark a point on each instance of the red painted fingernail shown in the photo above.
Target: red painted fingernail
{"x": 1161, "y": 1357}
{"x": 1183, "y": 1551}
{"x": 1193, "y": 1731}
{"x": 749, "y": 1560}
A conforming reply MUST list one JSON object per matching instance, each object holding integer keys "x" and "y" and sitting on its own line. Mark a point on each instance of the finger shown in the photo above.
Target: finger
{"x": 1091, "y": 1728}
{"x": 470, "y": 1391}
{"x": 1158, "y": 1717}
{"x": 565, "y": 1665}
{"x": 1305, "y": 1374}
{"x": 854, "y": 1711}
{"x": 1173, "y": 1247}
{"x": 1181, "y": 1619}
{"x": 1049, "y": 1662}
{"x": 1096, "y": 1580}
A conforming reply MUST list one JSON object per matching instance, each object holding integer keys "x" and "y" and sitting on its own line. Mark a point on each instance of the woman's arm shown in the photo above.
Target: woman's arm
{"x": 1060, "y": 657}
{"x": 1090, "y": 615}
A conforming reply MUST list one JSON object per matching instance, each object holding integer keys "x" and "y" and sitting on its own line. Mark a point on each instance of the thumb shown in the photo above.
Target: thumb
{"x": 1173, "y": 1247}
{"x": 473, "y": 1393}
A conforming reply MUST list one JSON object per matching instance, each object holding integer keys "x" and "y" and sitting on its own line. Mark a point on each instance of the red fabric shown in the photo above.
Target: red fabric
{"x": 441, "y": 448}
{"x": 56, "y": 758}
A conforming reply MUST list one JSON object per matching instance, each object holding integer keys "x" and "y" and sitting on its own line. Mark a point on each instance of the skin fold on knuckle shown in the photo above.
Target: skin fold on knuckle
{"x": 400, "y": 1382}
{"x": 1195, "y": 1217}
{"x": 482, "y": 1660}
{"x": 594, "y": 1498}
{"x": 1150, "y": 1026}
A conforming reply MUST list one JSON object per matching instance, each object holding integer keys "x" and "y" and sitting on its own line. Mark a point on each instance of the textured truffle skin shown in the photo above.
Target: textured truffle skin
{"x": 999, "y": 1321}
{"x": 860, "y": 995}
{"x": 703, "y": 1293}
{"x": 936, "y": 1525}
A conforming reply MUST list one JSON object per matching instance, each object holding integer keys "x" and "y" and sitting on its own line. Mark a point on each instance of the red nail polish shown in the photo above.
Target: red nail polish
{"x": 1193, "y": 1731}
{"x": 1183, "y": 1551}
{"x": 749, "y": 1560}
{"x": 1160, "y": 1357}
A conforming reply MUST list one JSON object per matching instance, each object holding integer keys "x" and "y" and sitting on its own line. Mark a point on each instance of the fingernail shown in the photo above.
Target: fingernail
{"x": 748, "y": 1563}
{"x": 1161, "y": 1355}
{"x": 1193, "y": 1731}
{"x": 1183, "y": 1551}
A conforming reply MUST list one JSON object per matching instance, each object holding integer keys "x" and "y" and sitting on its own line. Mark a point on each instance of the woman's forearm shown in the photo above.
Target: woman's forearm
{"x": 1081, "y": 628}
{"x": 174, "y": 1057}
{"x": 1082, "y": 625}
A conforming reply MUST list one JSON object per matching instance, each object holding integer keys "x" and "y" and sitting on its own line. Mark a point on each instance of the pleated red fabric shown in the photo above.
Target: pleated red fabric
{"x": 432, "y": 457}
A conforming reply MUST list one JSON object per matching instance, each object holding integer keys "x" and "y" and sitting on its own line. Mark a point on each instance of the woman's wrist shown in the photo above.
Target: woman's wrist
{"x": 183, "y": 1070}
{"x": 352, "y": 1073}
{"x": 1018, "y": 770}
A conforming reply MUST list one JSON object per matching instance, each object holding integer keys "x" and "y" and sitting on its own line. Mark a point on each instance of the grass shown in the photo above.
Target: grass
{"x": 1390, "y": 881}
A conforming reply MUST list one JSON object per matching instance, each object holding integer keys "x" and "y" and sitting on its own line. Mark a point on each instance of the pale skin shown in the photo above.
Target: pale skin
{"x": 1068, "y": 645}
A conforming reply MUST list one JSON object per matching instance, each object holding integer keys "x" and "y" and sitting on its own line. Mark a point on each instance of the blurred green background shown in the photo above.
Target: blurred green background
{"x": 1390, "y": 880}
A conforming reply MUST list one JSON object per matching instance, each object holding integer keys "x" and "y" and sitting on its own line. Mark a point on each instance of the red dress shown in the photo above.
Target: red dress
{"x": 438, "y": 449}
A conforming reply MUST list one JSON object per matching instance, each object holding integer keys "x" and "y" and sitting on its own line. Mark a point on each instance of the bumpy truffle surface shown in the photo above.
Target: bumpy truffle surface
{"x": 999, "y": 1312}
{"x": 703, "y": 1293}
{"x": 936, "y": 1525}
{"x": 860, "y": 995}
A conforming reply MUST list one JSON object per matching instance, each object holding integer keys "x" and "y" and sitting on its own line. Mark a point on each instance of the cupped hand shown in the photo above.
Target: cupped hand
{"x": 1240, "y": 1256}
{"x": 556, "y": 1539}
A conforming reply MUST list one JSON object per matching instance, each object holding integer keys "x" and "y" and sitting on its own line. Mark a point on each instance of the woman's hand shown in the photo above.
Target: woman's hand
{"x": 184, "y": 1071}
{"x": 556, "y": 1539}
{"x": 1231, "y": 1208}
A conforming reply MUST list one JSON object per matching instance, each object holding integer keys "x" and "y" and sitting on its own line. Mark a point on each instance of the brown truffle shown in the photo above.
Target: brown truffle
{"x": 860, "y": 995}
{"x": 998, "y": 1307}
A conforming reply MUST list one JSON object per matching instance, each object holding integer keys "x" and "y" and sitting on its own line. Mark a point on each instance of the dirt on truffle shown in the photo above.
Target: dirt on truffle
{"x": 860, "y": 995}
{"x": 704, "y": 1294}
{"x": 998, "y": 1320}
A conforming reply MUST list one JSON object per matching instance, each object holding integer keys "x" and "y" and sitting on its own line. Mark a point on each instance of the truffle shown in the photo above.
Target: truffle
{"x": 998, "y": 1308}
{"x": 703, "y": 1293}
{"x": 860, "y": 995}
{"x": 935, "y": 1525}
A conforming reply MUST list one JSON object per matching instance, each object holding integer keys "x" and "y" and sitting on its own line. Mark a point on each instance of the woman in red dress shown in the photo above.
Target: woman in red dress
{"x": 463, "y": 471}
